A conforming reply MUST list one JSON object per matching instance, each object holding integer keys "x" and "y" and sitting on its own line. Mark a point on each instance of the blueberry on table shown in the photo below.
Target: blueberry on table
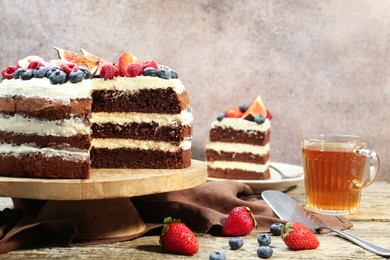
{"x": 217, "y": 256}
{"x": 276, "y": 229}
{"x": 264, "y": 252}
{"x": 236, "y": 243}
{"x": 264, "y": 239}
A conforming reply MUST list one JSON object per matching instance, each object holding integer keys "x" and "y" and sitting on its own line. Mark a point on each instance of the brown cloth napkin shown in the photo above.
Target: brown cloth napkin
{"x": 203, "y": 208}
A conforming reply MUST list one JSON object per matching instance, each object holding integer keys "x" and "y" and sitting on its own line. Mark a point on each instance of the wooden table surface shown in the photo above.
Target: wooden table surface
{"x": 371, "y": 224}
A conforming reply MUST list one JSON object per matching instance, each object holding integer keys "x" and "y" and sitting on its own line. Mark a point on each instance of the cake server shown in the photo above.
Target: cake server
{"x": 288, "y": 209}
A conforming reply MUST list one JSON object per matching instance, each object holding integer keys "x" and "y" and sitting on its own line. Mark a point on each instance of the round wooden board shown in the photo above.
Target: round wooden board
{"x": 106, "y": 184}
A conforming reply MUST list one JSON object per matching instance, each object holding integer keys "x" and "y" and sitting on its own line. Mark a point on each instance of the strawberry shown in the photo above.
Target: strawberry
{"x": 125, "y": 60}
{"x": 233, "y": 112}
{"x": 68, "y": 67}
{"x": 8, "y": 72}
{"x": 299, "y": 237}
{"x": 178, "y": 238}
{"x": 35, "y": 64}
{"x": 240, "y": 222}
{"x": 109, "y": 71}
{"x": 149, "y": 63}
{"x": 133, "y": 70}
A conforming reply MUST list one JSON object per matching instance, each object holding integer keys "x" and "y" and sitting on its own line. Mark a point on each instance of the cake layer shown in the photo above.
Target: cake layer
{"x": 78, "y": 141}
{"x": 231, "y": 135}
{"x": 44, "y": 108}
{"x": 140, "y": 159}
{"x": 37, "y": 165}
{"x": 143, "y": 131}
{"x": 212, "y": 155}
{"x": 237, "y": 174}
{"x": 165, "y": 101}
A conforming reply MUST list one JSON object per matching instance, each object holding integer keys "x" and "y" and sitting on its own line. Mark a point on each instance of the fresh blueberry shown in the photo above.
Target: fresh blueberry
{"x": 243, "y": 107}
{"x": 19, "y": 72}
{"x": 149, "y": 71}
{"x": 76, "y": 76}
{"x": 50, "y": 71}
{"x": 217, "y": 256}
{"x": 87, "y": 73}
{"x": 174, "y": 74}
{"x": 58, "y": 77}
{"x": 264, "y": 239}
{"x": 236, "y": 243}
{"x": 259, "y": 119}
{"x": 164, "y": 73}
{"x": 40, "y": 72}
{"x": 264, "y": 252}
{"x": 276, "y": 229}
{"x": 221, "y": 116}
{"x": 27, "y": 74}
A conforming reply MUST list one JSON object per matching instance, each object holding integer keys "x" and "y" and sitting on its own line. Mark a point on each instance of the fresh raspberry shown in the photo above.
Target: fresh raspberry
{"x": 8, "y": 72}
{"x": 68, "y": 67}
{"x": 125, "y": 60}
{"x": 233, "y": 112}
{"x": 133, "y": 70}
{"x": 35, "y": 64}
{"x": 149, "y": 63}
{"x": 109, "y": 71}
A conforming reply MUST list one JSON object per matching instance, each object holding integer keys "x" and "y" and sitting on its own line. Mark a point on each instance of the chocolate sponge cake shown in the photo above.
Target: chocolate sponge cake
{"x": 239, "y": 143}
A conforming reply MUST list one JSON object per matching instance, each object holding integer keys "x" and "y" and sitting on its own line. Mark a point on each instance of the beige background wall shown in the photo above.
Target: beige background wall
{"x": 320, "y": 66}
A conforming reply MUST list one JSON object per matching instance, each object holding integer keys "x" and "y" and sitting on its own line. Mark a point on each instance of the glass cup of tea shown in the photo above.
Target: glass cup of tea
{"x": 337, "y": 168}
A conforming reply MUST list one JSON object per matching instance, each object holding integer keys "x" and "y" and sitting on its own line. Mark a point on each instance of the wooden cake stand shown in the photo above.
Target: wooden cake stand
{"x": 100, "y": 206}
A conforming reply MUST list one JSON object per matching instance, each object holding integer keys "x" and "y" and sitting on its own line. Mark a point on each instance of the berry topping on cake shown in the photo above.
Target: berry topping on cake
{"x": 124, "y": 61}
{"x": 87, "y": 73}
{"x": 19, "y": 72}
{"x": 257, "y": 108}
{"x": 221, "y": 116}
{"x": 24, "y": 63}
{"x": 35, "y": 64}
{"x": 259, "y": 119}
{"x": 76, "y": 76}
{"x": 164, "y": 73}
{"x": 149, "y": 63}
{"x": 40, "y": 72}
{"x": 27, "y": 74}
{"x": 233, "y": 112}
{"x": 8, "y": 72}
{"x": 133, "y": 70}
{"x": 149, "y": 72}
{"x": 68, "y": 67}
{"x": 51, "y": 70}
{"x": 90, "y": 62}
{"x": 58, "y": 77}
{"x": 243, "y": 107}
{"x": 109, "y": 71}
{"x": 269, "y": 115}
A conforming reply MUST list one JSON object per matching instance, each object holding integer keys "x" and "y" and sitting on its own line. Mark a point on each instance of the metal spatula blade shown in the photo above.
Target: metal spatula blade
{"x": 288, "y": 209}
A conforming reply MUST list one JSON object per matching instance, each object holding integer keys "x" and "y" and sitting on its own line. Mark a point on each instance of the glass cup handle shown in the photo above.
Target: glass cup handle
{"x": 373, "y": 168}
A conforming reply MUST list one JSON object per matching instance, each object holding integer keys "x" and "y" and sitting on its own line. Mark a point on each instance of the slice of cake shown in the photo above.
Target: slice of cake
{"x": 44, "y": 127}
{"x": 141, "y": 118}
{"x": 55, "y": 121}
{"x": 239, "y": 143}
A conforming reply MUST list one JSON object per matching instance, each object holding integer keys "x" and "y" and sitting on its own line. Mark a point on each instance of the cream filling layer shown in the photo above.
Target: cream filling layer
{"x": 184, "y": 118}
{"x": 42, "y": 88}
{"x": 242, "y": 124}
{"x": 73, "y": 155}
{"x": 27, "y": 125}
{"x": 137, "y": 83}
{"x": 253, "y": 167}
{"x": 114, "y": 143}
{"x": 238, "y": 148}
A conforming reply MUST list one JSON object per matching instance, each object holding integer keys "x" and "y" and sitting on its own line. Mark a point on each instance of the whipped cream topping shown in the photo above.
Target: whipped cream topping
{"x": 42, "y": 88}
{"x": 114, "y": 143}
{"x": 137, "y": 83}
{"x": 242, "y": 124}
{"x": 28, "y": 125}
